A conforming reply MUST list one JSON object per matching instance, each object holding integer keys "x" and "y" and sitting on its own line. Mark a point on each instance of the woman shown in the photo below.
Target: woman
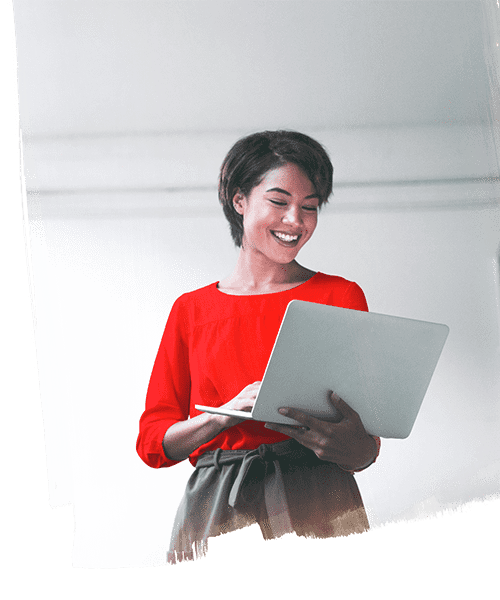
{"x": 214, "y": 351}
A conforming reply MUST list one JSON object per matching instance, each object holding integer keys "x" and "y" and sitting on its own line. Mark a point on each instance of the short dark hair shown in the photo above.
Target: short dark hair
{"x": 248, "y": 161}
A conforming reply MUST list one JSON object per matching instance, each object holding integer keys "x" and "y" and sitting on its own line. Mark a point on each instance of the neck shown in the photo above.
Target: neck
{"x": 254, "y": 274}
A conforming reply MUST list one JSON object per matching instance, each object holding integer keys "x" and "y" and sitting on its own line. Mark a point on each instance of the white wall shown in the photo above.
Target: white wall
{"x": 104, "y": 285}
{"x": 122, "y": 224}
{"x": 102, "y": 66}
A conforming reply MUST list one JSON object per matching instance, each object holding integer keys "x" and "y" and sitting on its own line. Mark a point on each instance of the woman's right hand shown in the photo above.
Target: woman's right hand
{"x": 184, "y": 437}
{"x": 243, "y": 401}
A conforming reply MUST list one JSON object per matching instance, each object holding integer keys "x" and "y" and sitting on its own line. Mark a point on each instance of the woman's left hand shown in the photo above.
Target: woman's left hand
{"x": 344, "y": 442}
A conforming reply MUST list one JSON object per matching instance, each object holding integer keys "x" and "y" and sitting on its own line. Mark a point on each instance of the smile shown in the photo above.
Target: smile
{"x": 286, "y": 237}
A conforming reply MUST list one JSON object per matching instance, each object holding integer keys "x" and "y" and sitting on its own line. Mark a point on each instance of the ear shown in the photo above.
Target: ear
{"x": 239, "y": 203}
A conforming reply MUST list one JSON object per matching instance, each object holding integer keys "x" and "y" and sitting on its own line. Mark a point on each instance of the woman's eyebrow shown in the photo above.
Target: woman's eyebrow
{"x": 282, "y": 191}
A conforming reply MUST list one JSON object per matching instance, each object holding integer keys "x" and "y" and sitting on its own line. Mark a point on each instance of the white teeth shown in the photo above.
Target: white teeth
{"x": 285, "y": 237}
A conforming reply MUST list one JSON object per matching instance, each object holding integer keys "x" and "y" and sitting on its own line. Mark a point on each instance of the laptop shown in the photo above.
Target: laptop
{"x": 381, "y": 365}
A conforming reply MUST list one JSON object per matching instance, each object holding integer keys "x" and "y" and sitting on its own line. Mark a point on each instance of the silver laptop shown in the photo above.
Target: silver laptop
{"x": 380, "y": 365}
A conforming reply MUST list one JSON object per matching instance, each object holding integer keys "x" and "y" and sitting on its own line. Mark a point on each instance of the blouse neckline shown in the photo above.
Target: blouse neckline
{"x": 216, "y": 287}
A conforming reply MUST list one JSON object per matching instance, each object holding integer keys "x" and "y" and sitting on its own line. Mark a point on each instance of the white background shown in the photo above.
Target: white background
{"x": 127, "y": 110}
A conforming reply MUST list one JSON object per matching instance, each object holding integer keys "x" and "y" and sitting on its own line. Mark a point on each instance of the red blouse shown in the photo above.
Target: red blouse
{"x": 213, "y": 346}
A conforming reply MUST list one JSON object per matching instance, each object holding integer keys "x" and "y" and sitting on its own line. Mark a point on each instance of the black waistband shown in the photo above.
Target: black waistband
{"x": 266, "y": 452}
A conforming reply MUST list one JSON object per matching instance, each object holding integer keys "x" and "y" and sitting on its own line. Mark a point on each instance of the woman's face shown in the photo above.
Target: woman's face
{"x": 279, "y": 214}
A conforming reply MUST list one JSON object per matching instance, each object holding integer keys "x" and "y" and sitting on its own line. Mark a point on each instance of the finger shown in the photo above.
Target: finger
{"x": 250, "y": 391}
{"x": 252, "y": 387}
{"x": 302, "y": 417}
{"x": 343, "y": 407}
{"x": 302, "y": 435}
{"x": 296, "y": 432}
{"x": 349, "y": 415}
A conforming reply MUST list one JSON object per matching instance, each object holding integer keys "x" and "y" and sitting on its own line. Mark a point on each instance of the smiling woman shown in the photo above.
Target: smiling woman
{"x": 214, "y": 352}
{"x": 279, "y": 218}
{"x": 271, "y": 186}
{"x": 255, "y": 156}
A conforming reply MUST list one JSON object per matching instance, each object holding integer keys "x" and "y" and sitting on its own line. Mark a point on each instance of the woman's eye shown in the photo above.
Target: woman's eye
{"x": 310, "y": 209}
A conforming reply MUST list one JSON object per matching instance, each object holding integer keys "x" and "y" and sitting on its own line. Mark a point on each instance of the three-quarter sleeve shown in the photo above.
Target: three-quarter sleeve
{"x": 168, "y": 395}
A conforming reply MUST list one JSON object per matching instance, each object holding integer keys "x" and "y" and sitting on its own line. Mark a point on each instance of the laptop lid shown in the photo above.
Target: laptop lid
{"x": 380, "y": 365}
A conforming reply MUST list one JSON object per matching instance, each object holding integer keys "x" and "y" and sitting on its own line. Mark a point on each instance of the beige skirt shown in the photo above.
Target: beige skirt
{"x": 283, "y": 487}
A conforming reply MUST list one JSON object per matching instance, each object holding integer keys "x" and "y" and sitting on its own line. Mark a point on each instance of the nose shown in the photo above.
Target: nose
{"x": 292, "y": 215}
